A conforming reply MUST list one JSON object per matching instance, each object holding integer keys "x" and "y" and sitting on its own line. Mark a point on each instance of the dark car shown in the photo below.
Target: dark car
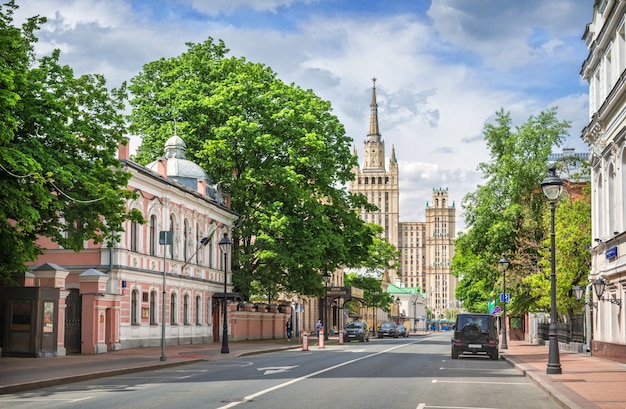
{"x": 474, "y": 334}
{"x": 403, "y": 331}
{"x": 388, "y": 329}
{"x": 356, "y": 330}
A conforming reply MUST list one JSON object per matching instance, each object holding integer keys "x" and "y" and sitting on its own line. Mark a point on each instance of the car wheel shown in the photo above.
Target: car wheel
{"x": 455, "y": 353}
{"x": 495, "y": 355}
{"x": 367, "y": 339}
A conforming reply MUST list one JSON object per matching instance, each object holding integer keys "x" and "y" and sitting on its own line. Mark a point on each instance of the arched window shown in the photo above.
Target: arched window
{"x": 153, "y": 307}
{"x": 134, "y": 236}
{"x": 198, "y": 310}
{"x": 201, "y": 249}
{"x": 209, "y": 311}
{"x": 173, "y": 252}
{"x": 186, "y": 309}
{"x": 134, "y": 307}
{"x": 186, "y": 240}
{"x": 153, "y": 235}
{"x": 173, "y": 309}
{"x": 612, "y": 202}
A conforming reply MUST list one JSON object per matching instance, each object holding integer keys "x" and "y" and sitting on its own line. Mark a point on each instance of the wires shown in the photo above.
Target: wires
{"x": 32, "y": 175}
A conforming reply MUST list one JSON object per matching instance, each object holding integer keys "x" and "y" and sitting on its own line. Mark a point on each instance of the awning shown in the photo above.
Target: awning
{"x": 229, "y": 296}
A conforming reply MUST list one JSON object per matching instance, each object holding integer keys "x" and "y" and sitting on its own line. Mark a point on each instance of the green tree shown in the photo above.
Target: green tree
{"x": 277, "y": 150}
{"x": 59, "y": 136}
{"x": 505, "y": 214}
{"x": 572, "y": 227}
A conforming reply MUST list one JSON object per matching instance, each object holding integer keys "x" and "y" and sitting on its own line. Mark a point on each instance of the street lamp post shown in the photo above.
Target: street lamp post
{"x": 504, "y": 264}
{"x": 374, "y": 311}
{"x": 327, "y": 278}
{"x": 225, "y": 244}
{"x": 398, "y": 304}
{"x": 552, "y": 186}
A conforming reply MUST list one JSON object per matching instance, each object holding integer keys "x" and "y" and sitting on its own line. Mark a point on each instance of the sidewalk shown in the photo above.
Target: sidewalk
{"x": 586, "y": 382}
{"x": 23, "y": 374}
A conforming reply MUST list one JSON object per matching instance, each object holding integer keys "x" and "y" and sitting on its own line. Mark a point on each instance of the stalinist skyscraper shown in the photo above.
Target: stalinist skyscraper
{"x": 377, "y": 183}
{"x": 426, "y": 248}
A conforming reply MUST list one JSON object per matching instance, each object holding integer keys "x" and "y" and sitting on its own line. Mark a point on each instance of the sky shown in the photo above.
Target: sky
{"x": 443, "y": 67}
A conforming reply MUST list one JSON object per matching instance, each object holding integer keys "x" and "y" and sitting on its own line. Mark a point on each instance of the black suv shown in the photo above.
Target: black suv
{"x": 357, "y": 330}
{"x": 388, "y": 329}
{"x": 474, "y": 333}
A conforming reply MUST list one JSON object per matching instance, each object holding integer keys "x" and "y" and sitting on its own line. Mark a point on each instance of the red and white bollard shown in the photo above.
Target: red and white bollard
{"x": 320, "y": 343}
{"x": 340, "y": 337}
{"x": 305, "y": 341}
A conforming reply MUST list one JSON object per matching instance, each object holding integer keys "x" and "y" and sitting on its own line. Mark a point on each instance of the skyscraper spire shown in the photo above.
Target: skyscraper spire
{"x": 374, "y": 134}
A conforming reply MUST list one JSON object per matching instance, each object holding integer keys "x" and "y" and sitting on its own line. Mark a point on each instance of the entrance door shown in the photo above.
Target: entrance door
{"x": 216, "y": 320}
{"x": 73, "y": 313}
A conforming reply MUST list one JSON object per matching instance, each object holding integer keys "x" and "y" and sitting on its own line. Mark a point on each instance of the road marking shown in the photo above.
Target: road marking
{"x": 253, "y": 396}
{"x": 276, "y": 369}
{"x": 423, "y": 405}
{"x": 478, "y": 382}
{"x": 474, "y": 369}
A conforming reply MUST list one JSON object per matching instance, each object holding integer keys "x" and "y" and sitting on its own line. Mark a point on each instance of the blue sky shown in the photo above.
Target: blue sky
{"x": 444, "y": 67}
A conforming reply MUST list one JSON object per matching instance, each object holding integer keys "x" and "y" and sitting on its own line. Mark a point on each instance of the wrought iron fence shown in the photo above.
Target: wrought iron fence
{"x": 570, "y": 331}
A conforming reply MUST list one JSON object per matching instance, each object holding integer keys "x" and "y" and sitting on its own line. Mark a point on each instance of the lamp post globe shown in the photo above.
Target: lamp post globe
{"x": 552, "y": 186}
{"x": 225, "y": 245}
{"x": 504, "y": 265}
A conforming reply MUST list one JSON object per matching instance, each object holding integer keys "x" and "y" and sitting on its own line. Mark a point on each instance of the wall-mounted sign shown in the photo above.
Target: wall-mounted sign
{"x": 611, "y": 253}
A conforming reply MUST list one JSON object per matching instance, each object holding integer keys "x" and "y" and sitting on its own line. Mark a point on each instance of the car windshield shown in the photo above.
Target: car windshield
{"x": 354, "y": 325}
{"x": 387, "y": 325}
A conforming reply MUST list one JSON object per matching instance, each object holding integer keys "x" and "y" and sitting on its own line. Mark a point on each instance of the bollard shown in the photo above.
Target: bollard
{"x": 320, "y": 339}
{"x": 305, "y": 341}
{"x": 340, "y": 337}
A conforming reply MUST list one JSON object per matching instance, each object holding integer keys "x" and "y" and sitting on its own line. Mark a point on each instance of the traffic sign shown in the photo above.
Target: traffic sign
{"x": 505, "y": 297}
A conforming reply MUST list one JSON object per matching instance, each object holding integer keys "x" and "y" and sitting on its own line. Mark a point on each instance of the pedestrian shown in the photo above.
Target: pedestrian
{"x": 318, "y": 327}
{"x": 289, "y": 331}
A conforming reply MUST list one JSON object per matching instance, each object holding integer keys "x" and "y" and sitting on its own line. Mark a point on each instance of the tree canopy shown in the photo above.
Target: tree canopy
{"x": 59, "y": 136}
{"x": 276, "y": 149}
{"x": 507, "y": 215}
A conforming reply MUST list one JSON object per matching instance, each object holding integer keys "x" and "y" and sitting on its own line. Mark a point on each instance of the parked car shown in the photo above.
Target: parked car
{"x": 356, "y": 330}
{"x": 403, "y": 331}
{"x": 388, "y": 329}
{"x": 475, "y": 333}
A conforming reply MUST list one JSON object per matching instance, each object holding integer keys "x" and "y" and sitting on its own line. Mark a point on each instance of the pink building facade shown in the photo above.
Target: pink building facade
{"x": 112, "y": 297}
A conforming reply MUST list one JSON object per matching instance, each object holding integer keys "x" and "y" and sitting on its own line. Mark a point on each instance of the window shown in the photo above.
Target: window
{"x": 198, "y": 310}
{"x": 173, "y": 309}
{"x": 186, "y": 309}
{"x": 173, "y": 252}
{"x": 186, "y": 240}
{"x": 209, "y": 311}
{"x": 133, "y": 236}
{"x": 134, "y": 307}
{"x": 201, "y": 249}
{"x": 153, "y": 235}
{"x": 153, "y": 306}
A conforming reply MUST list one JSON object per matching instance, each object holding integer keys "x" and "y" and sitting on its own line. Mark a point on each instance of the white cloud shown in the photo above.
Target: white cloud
{"x": 442, "y": 73}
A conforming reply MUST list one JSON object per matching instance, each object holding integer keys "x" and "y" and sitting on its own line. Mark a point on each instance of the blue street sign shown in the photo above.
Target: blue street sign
{"x": 505, "y": 297}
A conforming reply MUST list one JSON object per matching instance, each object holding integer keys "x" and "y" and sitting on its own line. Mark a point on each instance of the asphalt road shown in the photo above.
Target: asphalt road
{"x": 405, "y": 373}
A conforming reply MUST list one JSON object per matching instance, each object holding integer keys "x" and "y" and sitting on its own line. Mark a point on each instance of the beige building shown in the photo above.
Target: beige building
{"x": 378, "y": 184}
{"x": 426, "y": 248}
